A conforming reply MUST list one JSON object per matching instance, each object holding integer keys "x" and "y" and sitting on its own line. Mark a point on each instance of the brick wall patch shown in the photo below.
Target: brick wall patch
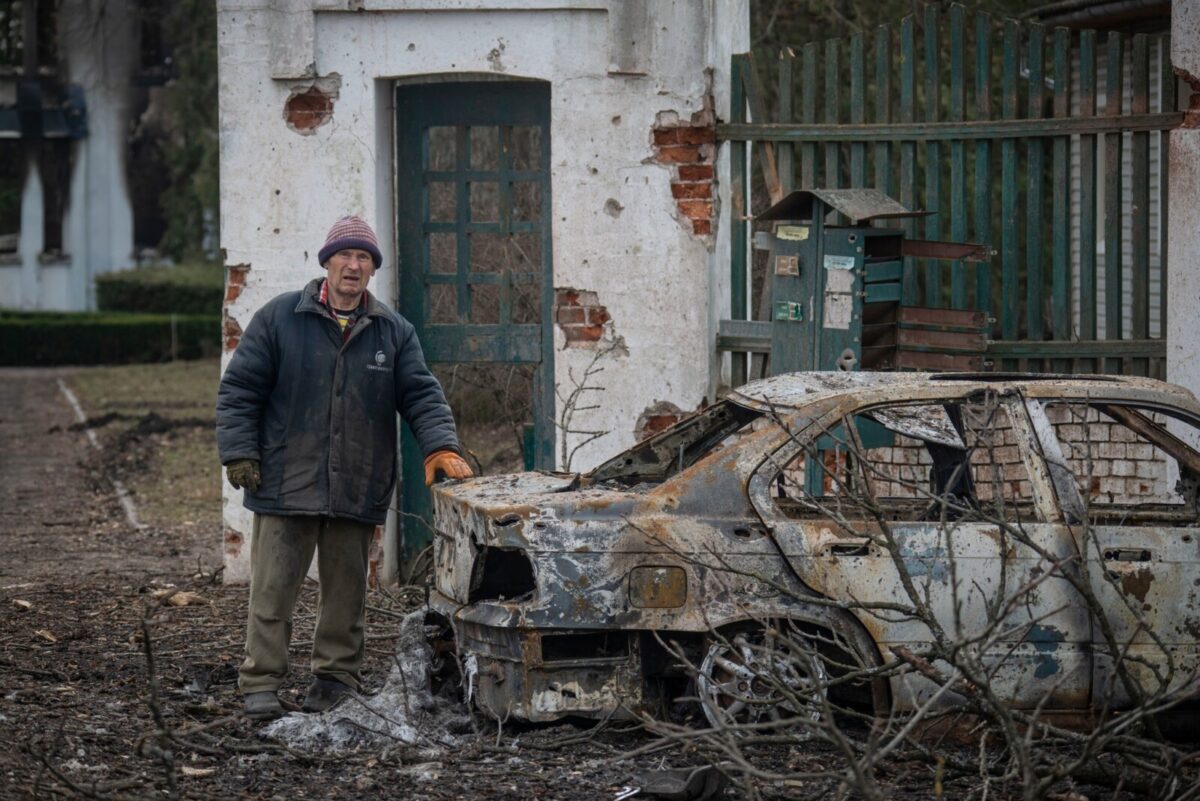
{"x": 657, "y": 417}
{"x": 688, "y": 149}
{"x": 580, "y": 316}
{"x": 235, "y": 282}
{"x": 310, "y": 106}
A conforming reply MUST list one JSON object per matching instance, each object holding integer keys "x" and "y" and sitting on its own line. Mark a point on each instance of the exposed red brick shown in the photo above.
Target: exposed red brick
{"x": 567, "y": 315}
{"x": 696, "y": 209}
{"x": 580, "y": 315}
{"x": 696, "y": 136}
{"x": 308, "y": 110}
{"x": 686, "y": 191}
{"x": 695, "y": 172}
{"x": 232, "y": 291}
{"x": 679, "y": 154}
{"x": 702, "y": 227}
{"x": 583, "y": 333}
{"x": 232, "y": 332}
{"x": 657, "y": 417}
{"x": 666, "y": 136}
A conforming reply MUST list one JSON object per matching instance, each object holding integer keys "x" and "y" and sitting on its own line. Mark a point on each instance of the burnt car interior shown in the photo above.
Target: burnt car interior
{"x": 955, "y": 459}
{"x": 656, "y": 459}
{"x": 960, "y": 460}
{"x": 1164, "y": 471}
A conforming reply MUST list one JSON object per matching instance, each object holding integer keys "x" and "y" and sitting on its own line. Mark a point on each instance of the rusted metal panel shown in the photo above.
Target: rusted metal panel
{"x": 961, "y": 251}
{"x": 859, "y": 205}
{"x": 942, "y": 319}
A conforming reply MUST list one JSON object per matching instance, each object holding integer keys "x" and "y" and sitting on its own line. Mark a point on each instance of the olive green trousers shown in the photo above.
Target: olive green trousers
{"x": 281, "y": 550}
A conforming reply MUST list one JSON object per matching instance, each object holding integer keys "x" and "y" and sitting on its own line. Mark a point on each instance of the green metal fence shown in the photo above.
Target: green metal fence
{"x": 1044, "y": 144}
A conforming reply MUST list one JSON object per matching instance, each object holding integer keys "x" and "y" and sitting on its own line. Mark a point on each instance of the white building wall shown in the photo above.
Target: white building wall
{"x": 613, "y": 68}
{"x": 1183, "y": 188}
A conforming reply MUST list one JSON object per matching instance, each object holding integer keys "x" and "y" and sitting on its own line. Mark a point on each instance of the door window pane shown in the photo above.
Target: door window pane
{"x": 443, "y": 304}
{"x": 525, "y": 142}
{"x": 440, "y": 141}
{"x": 489, "y": 253}
{"x": 442, "y": 201}
{"x": 443, "y": 253}
{"x": 485, "y": 202}
{"x": 527, "y": 201}
{"x": 485, "y": 148}
{"x": 485, "y": 304}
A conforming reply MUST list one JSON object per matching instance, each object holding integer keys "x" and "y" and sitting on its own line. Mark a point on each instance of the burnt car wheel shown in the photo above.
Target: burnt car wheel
{"x": 763, "y": 675}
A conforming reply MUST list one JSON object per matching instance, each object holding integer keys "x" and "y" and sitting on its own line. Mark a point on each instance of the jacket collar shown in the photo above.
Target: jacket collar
{"x": 310, "y": 301}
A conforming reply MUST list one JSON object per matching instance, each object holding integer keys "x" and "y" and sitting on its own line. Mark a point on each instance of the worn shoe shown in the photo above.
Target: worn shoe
{"x": 324, "y": 693}
{"x": 263, "y": 706}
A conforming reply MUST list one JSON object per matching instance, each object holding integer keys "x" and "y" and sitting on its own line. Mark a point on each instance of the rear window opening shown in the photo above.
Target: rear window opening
{"x": 656, "y": 459}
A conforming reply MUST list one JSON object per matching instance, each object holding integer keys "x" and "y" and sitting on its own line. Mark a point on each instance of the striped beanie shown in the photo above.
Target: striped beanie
{"x": 351, "y": 232}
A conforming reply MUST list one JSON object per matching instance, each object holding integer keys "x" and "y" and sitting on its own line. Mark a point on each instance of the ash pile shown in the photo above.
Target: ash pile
{"x": 405, "y": 711}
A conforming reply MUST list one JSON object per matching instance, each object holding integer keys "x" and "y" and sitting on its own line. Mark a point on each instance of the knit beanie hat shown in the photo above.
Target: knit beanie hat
{"x": 351, "y": 232}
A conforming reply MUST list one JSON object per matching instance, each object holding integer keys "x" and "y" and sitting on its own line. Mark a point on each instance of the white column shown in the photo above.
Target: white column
{"x": 1183, "y": 239}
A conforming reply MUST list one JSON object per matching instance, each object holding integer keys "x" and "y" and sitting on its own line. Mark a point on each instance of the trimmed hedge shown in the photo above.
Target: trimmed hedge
{"x": 50, "y": 338}
{"x": 184, "y": 289}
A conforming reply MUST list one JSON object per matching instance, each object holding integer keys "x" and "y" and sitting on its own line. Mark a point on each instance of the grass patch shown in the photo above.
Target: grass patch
{"x": 172, "y": 389}
{"x": 173, "y": 472}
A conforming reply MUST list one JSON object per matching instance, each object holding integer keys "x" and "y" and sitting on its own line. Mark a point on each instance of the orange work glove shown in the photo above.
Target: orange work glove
{"x": 447, "y": 462}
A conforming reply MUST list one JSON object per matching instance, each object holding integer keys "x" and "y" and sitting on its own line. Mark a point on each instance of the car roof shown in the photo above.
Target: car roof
{"x": 792, "y": 390}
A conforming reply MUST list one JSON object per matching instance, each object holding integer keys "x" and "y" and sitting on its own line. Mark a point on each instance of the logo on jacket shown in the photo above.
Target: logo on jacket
{"x": 380, "y": 364}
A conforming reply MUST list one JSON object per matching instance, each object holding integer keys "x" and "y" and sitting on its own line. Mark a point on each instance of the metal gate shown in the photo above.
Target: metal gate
{"x": 473, "y": 222}
{"x": 1049, "y": 146}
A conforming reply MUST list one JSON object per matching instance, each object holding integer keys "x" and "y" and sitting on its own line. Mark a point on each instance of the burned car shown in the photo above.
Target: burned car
{"x": 1049, "y": 523}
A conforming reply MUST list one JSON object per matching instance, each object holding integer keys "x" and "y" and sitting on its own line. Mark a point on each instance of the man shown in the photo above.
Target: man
{"x": 306, "y": 426}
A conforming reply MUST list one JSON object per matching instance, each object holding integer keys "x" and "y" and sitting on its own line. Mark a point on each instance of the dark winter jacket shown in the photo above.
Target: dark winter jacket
{"x": 320, "y": 415}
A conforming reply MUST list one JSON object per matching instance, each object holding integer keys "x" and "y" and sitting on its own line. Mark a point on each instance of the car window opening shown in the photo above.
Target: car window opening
{"x": 954, "y": 461}
{"x": 1128, "y": 468}
{"x": 677, "y": 448}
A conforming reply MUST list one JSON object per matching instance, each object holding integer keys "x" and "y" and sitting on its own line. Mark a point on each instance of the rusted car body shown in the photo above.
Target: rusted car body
{"x": 589, "y": 595}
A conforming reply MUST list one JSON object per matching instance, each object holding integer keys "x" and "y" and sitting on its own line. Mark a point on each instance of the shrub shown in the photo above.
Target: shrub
{"x": 185, "y": 289}
{"x": 49, "y": 338}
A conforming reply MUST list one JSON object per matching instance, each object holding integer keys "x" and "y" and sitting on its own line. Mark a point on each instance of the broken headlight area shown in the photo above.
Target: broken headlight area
{"x": 501, "y": 574}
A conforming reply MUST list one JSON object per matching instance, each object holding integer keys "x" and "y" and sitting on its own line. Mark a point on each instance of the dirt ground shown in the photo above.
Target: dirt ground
{"x": 85, "y": 697}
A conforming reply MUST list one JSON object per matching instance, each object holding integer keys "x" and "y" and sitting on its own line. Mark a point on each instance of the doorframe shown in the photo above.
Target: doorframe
{"x": 543, "y": 389}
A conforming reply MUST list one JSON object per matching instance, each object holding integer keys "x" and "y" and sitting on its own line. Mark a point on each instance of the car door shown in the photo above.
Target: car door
{"x": 943, "y": 506}
{"x": 1138, "y": 529}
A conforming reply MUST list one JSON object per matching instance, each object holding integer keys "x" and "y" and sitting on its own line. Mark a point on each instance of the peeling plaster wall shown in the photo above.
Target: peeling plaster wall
{"x": 1183, "y": 242}
{"x": 613, "y": 67}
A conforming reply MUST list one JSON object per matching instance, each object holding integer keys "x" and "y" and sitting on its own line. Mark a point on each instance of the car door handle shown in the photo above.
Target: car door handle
{"x": 1127, "y": 555}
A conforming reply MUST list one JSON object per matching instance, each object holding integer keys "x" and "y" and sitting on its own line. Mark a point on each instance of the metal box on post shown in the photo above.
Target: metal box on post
{"x": 837, "y": 301}
{"x": 836, "y": 289}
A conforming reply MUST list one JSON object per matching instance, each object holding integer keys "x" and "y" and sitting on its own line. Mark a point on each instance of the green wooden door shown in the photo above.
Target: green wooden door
{"x": 473, "y": 222}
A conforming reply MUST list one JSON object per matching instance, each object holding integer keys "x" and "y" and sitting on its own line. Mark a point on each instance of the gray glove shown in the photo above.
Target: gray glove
{"x": 244, "y": 473}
